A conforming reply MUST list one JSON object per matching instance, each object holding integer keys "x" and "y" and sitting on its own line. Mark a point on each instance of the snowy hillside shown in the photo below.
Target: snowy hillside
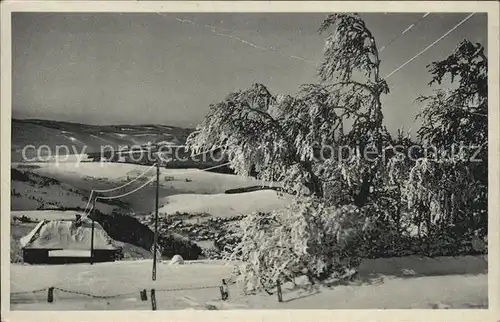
{"x": 225, "y": 205}
{"x": 30, "y": 191}
{"x": 87, "y": 176}
{"x": 55, "y": 187}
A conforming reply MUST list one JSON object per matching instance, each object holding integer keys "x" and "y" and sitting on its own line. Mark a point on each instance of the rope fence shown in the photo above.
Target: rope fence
{"x": 143, "y": 294}
{"x": 29, "y": 292}
{"x": 93, "y": 295}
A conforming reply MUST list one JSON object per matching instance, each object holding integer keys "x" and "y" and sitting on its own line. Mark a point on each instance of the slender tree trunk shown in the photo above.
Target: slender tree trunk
{"x": 315, "y": 185}
{"x": 364, "y": 192}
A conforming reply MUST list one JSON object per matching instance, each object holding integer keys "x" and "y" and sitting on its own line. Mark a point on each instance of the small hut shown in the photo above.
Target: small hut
{"x": 62, "y": 242}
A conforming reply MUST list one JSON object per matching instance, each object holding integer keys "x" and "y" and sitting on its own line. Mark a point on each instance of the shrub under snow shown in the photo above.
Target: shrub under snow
{"x": 177, "y": 260}
{"x": 306, "y": 238}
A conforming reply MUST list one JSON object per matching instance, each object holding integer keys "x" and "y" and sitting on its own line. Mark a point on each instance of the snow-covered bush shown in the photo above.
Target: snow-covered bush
{"x": 307, "y": 238}
{"x": 177, "y": 260}
{"x": 211, "y": 253}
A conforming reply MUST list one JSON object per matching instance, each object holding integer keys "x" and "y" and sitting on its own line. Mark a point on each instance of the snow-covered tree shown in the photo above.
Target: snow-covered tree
{"x": 447, "y": 188}
{"x": 281, "y": 137}
{"x": 306, "y": 238}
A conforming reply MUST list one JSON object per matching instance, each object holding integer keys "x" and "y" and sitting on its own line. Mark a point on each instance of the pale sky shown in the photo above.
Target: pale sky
{"x": 143, "y": 68}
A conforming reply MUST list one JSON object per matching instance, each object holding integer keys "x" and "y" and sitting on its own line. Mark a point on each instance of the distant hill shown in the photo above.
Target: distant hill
{"x": 76, "y": 136}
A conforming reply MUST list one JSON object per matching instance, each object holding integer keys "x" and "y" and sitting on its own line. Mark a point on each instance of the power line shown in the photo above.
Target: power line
{"x": 127, "y": 183}
{"x": 135, "y": 179}
{"x": 116, "y": 197}
{"x": 428, "y": 47}
{"x": 88, "y": 201}
{"x": 314, "y": 62}
{"x": 144, "y": 185}
{"x": 112, "y": 189}
{"x": 212, "y": 28}
{"x": 150, "y": 180}
{"x": 404, "y": 32}
{"x": 127, "y": 193}
{"x": 244, "y": 41}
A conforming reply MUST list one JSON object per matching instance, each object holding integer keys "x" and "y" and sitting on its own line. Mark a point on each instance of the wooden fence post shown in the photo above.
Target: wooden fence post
{"x": 221, "y": 289}
{"x": 153, "y": 299}
{"x": 280, "y": 295}
{"x": 50, "y": 294}
{"x": 224, "y": 291}
{"x": 144, "y": 295}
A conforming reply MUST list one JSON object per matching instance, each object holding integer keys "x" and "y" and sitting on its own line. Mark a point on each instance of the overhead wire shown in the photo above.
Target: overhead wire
{"x": 153, "y": 178}
{"x": 127, "y": 183}
{"x": 430, "y": 46}
{"x": 404, "y": 32}
{"x": 424, "y": 50}
{"x": 113, "y": 189}
{"x": 237, "y": 38}
{"x": 93, "y": 191}
{"x": 85, "y": 215}
{"x": 126, "y": 193}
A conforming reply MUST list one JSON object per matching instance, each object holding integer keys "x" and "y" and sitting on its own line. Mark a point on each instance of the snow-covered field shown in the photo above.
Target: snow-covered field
{"x": 182, "y": 190}
{"x": 87, "y": 175}
{"x": 395, "y": 283}
{"x": 95, "y": 175}
{"x": 377, "y": 287}
{"x": 225, "y": 205}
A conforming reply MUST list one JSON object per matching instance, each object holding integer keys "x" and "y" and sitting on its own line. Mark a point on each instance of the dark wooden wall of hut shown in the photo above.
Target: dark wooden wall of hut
{"x": 41, "y": 256}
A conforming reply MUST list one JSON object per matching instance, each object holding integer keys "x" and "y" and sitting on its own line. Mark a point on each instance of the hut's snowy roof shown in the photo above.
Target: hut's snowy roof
{"x": 60, "y": 234}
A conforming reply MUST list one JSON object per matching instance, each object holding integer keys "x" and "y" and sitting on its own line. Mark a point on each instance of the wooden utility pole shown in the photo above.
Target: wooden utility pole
{"x": 92, "y": 236}
{"x": 155, "y": 240}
